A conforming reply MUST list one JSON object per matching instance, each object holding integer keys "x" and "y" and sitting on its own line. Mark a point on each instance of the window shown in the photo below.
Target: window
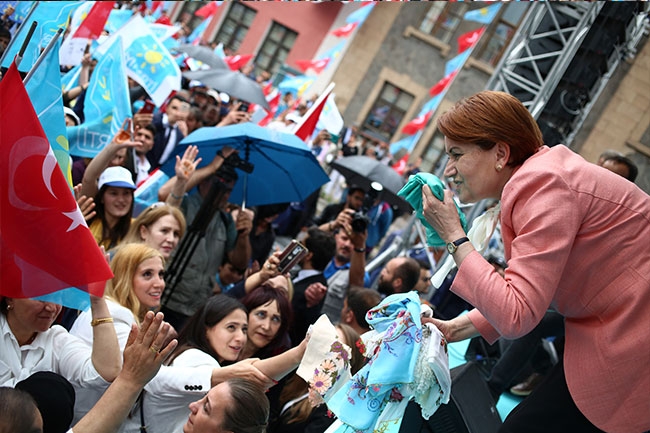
{"x": 500, "y": 33}
{"x": 434, "y": 155}
{"x": 275, "y": 48}
{"x": 187, "y": 14}
{"x": 443, "y": 19}
{"x": 235, "y": 26}
{"x": 387, "y": 112}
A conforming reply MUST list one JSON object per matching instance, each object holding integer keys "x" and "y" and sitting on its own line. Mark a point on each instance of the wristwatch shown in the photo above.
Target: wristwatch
{"x": 453, "y": 246}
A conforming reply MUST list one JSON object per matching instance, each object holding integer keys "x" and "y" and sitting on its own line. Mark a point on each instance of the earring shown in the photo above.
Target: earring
{"x": 9, "y": 307}
{"x": 499, "y": 167}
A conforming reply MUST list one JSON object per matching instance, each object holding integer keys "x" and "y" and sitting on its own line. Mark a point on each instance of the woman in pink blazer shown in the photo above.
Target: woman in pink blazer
{"x": 577, "y": 240}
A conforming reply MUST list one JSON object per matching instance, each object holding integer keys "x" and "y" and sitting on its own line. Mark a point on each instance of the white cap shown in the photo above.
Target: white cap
{"x": 214, "y": 95}
{"x": 293, "y": 117}
{"x": 225, "y": 98}
{"x": 118, "y": 177}
{"x": 70, "y": 112}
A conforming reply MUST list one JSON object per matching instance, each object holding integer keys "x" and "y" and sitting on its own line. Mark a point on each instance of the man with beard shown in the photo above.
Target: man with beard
{"x": 345, "y": 270}
{"x": 400, "y": 275}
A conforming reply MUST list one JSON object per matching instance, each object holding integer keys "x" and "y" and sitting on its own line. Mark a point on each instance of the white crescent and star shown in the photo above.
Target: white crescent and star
{"x": 36, "y": 146}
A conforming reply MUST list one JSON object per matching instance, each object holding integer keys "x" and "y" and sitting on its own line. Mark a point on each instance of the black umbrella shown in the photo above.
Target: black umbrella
{"x": 234, "y": 83}
{"x": 363, "y": 170}
{"x": 205, "y": 55}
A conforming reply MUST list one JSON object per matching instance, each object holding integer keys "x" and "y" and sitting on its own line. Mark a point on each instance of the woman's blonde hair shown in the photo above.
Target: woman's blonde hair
{"x": 149, "y": 216}
{"x": 124, "y": 266}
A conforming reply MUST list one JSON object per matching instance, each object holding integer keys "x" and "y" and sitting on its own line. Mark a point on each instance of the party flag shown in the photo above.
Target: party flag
{"x": 45, "y": 244}
{"x": 106, "y": 105}
{"x": 74, "y": 46}
{"x": 442, "y": 84}
{"x": 417, "y": 124}
{"x": 44, "y": 90}
{"x": 360, "y": 15}
{"x": 484, "y": 15}
{"x": 237, "y": 61}
{"x": 209, "y": 9}
{"x": 296, "y": 85}
{"x": 407, "y": 143}
{"x": 330, "y": 118}
{"x": 147, "y": 60}
{"x": 50, "y": 16}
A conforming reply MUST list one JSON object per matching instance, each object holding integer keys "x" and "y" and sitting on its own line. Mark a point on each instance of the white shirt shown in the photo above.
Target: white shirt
{"x": 142, "y": 167}
{"x": 86, "y": 396}
{"x": 170, "y": 142}
{"x": 54, "y": 350}
{"x": 167, "y": 397}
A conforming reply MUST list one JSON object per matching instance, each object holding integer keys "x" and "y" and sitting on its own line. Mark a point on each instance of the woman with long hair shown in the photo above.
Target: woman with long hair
{"x": 213, "y": 339}
{"x": 160, "y": 226}
{"x": 113, "y": 207}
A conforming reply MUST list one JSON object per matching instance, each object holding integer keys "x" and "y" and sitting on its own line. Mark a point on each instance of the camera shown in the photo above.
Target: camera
{"x": 360, "y": 219}
{"x": 226, "y": 173}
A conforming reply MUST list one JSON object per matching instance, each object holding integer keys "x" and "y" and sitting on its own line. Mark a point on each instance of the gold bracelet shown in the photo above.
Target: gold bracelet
{"x": 96, "y": 322}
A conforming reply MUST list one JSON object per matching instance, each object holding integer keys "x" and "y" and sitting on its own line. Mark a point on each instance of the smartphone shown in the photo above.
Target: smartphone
{"x": 148, "y": 107}
{"x": 291, "y": 255}
{"x": 334, "y": 138}
{"x": 244, "y": 106}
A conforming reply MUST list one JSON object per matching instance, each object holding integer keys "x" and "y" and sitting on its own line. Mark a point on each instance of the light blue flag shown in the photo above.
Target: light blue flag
{"x": 431, "y": 104}
{"x": 407, "y": 143}
{"x": 50, "y": 16}
{"x": 199, "y": 30}
{"x": 218, "y": 50}
{"x": 106, "y": 104}
{"x": 147, "y": 60}
{"x": 457, "y": 62}
{"x": 483, "y": 15}
{"x": 117, "y": 18}
{"x": 360, "y": 15}
{"x": 71, "y": 78}
{"x": 296, "y": 85}
{"x": 44, "y": 89}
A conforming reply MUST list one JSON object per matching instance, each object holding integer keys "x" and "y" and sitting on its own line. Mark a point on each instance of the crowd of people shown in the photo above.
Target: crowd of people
{"x": 216, "y": 347}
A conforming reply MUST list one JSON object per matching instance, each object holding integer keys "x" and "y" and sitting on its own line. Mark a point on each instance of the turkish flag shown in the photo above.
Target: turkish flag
{"x": 237, "y": 61}
{"x": 316, "y": 65}
{"x": 345, "y": 31}
{"x": 93, "y": 26}
{"x": 208, "y": 10}
{"x": 45, "y": 244}
{"x": 416, "y": 124}
{"x": 308, "y": 123}
{"x": 274, "y": 103}
{"x": 400, "y": 165}
{"x": 468, "y": 39}
{"x": 441, "y": 85}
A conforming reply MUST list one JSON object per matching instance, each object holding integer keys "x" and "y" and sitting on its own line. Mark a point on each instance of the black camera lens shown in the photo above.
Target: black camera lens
{"x": 359, "y": 222}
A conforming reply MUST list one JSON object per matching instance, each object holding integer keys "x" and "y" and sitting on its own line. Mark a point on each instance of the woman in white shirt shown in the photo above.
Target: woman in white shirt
{"x": 213, "y": 337}
{"x": 31, "y": 344}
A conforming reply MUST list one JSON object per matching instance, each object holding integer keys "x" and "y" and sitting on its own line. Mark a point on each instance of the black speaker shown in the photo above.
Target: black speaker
{"x": 470, "y": 408}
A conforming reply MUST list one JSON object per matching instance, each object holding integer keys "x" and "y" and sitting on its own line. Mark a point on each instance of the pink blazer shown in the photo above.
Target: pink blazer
{"x": 577, "y": 240}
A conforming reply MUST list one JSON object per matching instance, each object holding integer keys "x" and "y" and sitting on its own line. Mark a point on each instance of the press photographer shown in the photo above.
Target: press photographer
{"x": 211, "y": 234}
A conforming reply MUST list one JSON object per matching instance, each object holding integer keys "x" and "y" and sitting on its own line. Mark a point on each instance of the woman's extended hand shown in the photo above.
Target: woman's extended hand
{"x": 186, "y": 165}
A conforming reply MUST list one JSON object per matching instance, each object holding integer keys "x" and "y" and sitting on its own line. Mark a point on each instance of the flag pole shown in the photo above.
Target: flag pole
{"x": 40, "y": 59}
{"x": 29, "y": 36}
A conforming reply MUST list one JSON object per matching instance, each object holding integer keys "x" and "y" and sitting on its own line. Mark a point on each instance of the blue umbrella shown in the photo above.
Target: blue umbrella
{"x": 284, "y": 170}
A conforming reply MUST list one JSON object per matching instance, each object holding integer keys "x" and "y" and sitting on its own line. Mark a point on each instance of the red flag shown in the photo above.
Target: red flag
{"x": 316, "y": 65}
{"x": 400, "y": 165}
{"x": 468, "y": 39}
{"x": 442, "y": 84}
{"x": 237, "y": 61}
{"x": 268, "y": 88}
{"x": 208, "y": 10}
{"x": 93, "y": 26}
{"x": 45, "y": 244}
{"x": 308, "y": 122}
{"x": 274, "y": 103}
{"x": 416, "y": 124}
{"x": 345, "y": 31}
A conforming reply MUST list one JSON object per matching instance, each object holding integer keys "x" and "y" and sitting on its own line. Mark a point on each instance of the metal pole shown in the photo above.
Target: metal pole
{"x": 29, "y": 35}
{"x": 41, "y": 57}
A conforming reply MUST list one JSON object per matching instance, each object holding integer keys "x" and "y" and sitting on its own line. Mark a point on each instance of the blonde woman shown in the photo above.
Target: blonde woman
{"x": 160, "y": 226}
{"x": 135, "y": 289}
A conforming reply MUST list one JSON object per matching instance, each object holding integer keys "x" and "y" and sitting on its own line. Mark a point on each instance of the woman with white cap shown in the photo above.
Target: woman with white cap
{"x": 113, "y": 207}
